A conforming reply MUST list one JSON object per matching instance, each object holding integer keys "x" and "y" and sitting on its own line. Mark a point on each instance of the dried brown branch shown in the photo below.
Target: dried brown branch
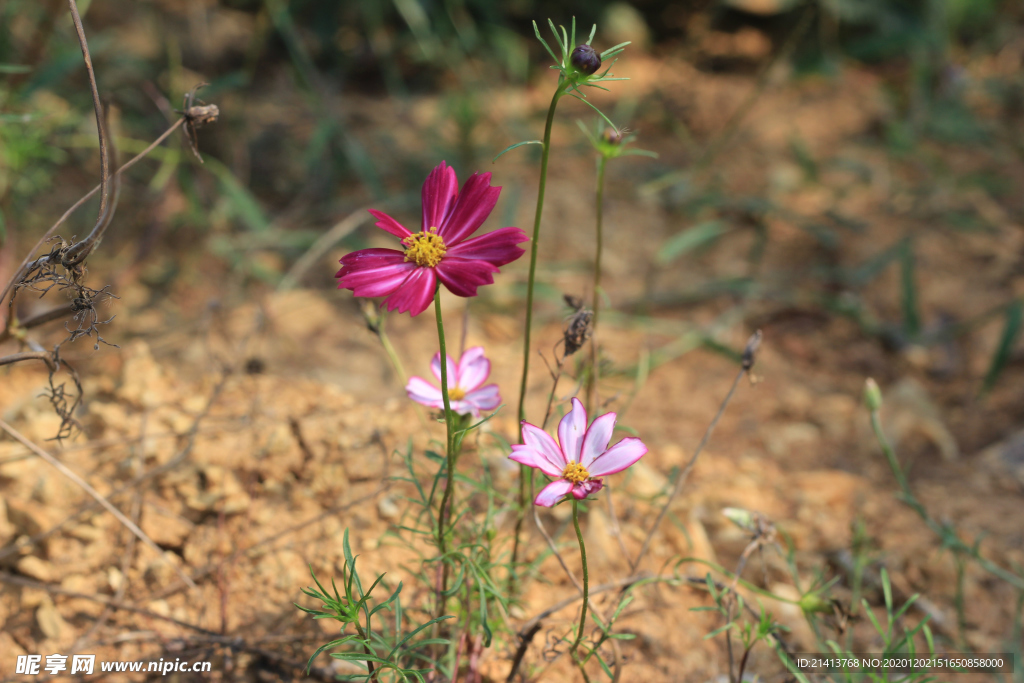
{"x": 29, "y": 264}
{"x": 28, "y": 355}
{"x": 748, "y": 362}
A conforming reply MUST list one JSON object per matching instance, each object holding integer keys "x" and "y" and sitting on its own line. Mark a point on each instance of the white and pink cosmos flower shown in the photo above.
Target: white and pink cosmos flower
{"x": 467, "y": 393}
{"x": 440, "y": 252}
{"x": 579, "y": 457}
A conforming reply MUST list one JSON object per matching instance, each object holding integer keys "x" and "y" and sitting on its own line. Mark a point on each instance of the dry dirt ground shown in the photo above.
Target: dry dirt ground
{"x": 247, "y": 430}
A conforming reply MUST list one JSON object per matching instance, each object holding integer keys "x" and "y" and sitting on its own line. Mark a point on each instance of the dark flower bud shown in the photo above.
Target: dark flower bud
{"x": 612, "y": 136}
{"x": 585, "y": 59}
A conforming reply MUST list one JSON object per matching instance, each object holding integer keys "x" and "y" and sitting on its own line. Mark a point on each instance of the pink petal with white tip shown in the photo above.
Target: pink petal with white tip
{"x": 618, "y": 457}
{"x": 553, "y": 492}
{"x": 485, "y": 398}
{"x": 422, "y": 391}
{"x": 474, "y": 369}
{"x": 596, "y": 441}
{"x": 529, "y": 456}
{"x": 539, "y": 440}
{"x": 571, "y": 430}
{"x": 452, "y": 369}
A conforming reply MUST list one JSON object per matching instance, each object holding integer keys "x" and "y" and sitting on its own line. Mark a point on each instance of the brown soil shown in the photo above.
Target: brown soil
{"x": 281, "y": 461}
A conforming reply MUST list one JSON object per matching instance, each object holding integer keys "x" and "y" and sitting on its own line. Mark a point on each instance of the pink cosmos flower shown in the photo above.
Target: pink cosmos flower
{"x": 580, "y": 455}
{"x": 440, "y": 251}
{"x": 466, "y": 393}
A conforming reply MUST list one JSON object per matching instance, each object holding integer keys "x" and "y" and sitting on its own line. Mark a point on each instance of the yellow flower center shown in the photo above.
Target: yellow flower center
{"x": 456, "y": 394}
{"x": 576, "y": 473}
{"x": 424, "y": 248}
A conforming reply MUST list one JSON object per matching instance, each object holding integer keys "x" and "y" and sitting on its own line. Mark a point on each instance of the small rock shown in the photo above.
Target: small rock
{"x": 785, "y": 438}
{"x": 33, "y": 567}
{"x": 160, "y": 572}
{"x": 388, "y": 510}
{"x": 33, "y": 597}
{"x": 86, "y": 533}
{"x": 115, "y": 578}
{"x": 166, "y": 530}
{"x": 644, "y": 481}
{"x": 49, "y": 620}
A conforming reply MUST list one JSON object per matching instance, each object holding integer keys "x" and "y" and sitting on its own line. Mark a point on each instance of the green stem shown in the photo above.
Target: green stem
{"x": 592, "y": 379}
{"x": 450, "y": 451}
{"x": 586, "y": 582}
{"x": 559, "y": 91}
{"x": 949, "y": 537}
{"x": 390, "y": 350}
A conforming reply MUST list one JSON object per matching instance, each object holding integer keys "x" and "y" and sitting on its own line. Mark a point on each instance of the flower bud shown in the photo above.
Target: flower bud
{"x": 812, "y": 602}
{"x": 612, "y": 136}
{"x": 585, "y": 59}
{"x": 872, "y": 395}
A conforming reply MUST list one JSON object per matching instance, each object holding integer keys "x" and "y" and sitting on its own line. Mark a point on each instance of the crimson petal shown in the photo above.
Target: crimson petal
{"x": 415, "y": 294}
{"x": 374, "y": 272}
{"x": 462, "y": 276}
{"x": 440, "y": 190}
{"x": 474, "y": 204}
{"x": 389, "y": 224}
{"x": 497, "y": 248}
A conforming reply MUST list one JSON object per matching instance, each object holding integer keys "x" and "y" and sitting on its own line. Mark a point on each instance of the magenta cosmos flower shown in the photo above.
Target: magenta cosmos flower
{"x": 466, "y": 391}
{"x": 440, "y": 251}
{"x": 580, "y": 455}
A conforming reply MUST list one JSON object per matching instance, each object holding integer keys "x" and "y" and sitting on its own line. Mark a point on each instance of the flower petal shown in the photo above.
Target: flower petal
{"x": 374, "y": 272}
{"x": 585, "y": 488}
{"x": 530, "y": 457}
{"x": 462, "y": 276}
{"x": 474, "y": 203}
{"x": 415, "y": 294}
{"x": 389, "y": 224}
{"x": 596, "y": 441}
{"x": 474, "y": 368}
{"x": 452, "y": 369}
{"x": 422, "y": 391}
{"x": 497, "y": 247}
{"x": 571, "y": 430}
{"x": 540, "y": 441}
{"x": 618, "y": 457}
{"x": 463, "y": 407}
{"x": 553, "y": 492}
{"x": 440, "y": 190}
{"x": 485, "y": 398}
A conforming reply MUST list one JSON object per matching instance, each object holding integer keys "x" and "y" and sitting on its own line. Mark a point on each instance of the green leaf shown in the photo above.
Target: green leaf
{"x": 911, "y": 317}
{"x": 15, "y": 69}
{"x": 1011, "y": 332}
{"x": 518, "y": 144}
{"x": 543, "y": 42}
{"x": 690, "y": 239}
{"x": 403, "y": 641}
{"x": 243, "y": 203}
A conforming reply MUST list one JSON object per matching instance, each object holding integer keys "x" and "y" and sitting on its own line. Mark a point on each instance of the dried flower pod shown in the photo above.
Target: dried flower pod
{"x": 585, "y": 59}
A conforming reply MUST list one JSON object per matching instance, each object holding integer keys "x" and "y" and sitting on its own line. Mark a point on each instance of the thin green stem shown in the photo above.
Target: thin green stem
{"x": 592, "y": 379}
{"x": 950, "y": 538}
{"x": 449, "y": 450}
{"x": 586, "y": 584}
{"x": 390, "y": 350}
{"x": 559, "y": 91}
